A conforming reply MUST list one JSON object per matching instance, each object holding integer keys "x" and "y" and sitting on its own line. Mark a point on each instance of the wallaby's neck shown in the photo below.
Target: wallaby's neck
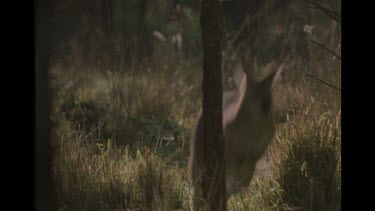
{"x": 245, "y": 98}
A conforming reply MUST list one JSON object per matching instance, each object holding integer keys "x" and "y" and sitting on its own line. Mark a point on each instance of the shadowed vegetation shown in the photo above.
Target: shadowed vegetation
{"x": 123, "y": 120}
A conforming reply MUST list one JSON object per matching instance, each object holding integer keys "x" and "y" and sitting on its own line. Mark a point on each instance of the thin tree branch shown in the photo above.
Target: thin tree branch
{"x": 325, "y": 48}
{"x": 323, "y": 82}
{"x": 330, "y": 13}
{"x": 242, "y": 27}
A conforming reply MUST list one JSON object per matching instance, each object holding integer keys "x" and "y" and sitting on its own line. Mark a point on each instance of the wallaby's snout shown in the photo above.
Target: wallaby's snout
{"x": 248, "y": 124}
{"x": 262, "y": 90}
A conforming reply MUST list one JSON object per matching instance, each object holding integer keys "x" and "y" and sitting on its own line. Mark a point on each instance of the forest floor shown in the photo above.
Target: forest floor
{"x": 122, "y": 134}
{"x": 123, "y": 141}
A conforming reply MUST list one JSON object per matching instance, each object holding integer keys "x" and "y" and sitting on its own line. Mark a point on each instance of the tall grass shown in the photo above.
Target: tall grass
{"x": 123, "y": 133}
{"x": 309, "y": 172}
{"x": 93, "y": 176}
{"x": 301, "y": 170}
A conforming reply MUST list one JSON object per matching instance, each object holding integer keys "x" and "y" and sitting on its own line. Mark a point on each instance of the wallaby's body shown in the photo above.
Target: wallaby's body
{"x": 248, "y": 124}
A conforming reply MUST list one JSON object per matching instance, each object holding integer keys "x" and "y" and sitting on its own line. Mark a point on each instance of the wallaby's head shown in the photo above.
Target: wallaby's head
{"x": 248, "y": 122}
{"x": 257, "y": 93}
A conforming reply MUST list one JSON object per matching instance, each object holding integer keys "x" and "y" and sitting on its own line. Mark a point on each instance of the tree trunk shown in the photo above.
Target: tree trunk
{"x": 213, "y": 184}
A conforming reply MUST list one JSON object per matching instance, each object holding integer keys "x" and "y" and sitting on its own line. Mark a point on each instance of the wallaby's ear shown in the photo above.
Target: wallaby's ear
{"x": 238, "y": 73}
{"x": 269, "y": 81}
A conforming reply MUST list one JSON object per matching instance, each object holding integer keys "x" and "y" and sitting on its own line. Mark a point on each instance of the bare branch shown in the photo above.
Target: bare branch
{"x": 325, "y": 48}
{"x": 330, "y": 13}
{"x": 323, "y": 82}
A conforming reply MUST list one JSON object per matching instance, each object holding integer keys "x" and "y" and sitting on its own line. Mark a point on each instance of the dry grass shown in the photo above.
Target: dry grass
{"x": 93, "y": 176}
{"x": 123, "y": 133}
{"x": 301, "y": 170}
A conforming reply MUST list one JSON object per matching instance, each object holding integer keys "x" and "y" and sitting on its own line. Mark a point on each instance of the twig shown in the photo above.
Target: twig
{"x": 330, "y": 13}
{"x": 325, "y": 48}
{"x": 242, "y": 27}
{"x": 323, "y": 82}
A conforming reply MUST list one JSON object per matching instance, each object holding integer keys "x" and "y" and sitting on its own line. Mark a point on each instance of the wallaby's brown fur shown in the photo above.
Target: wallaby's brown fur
{"x": 248, "y": 124}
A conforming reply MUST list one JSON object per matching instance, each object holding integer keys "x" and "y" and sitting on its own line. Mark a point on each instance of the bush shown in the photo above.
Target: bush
{"x": 309, "y": 171}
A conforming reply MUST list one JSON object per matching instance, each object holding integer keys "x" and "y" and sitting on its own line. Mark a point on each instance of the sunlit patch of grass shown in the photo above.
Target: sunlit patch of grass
{"x": 93, "y": 176}
{"x": 309, "y": 172}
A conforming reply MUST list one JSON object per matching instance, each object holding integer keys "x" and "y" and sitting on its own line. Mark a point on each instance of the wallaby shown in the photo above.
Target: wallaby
{"x": 248, "y": 126}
